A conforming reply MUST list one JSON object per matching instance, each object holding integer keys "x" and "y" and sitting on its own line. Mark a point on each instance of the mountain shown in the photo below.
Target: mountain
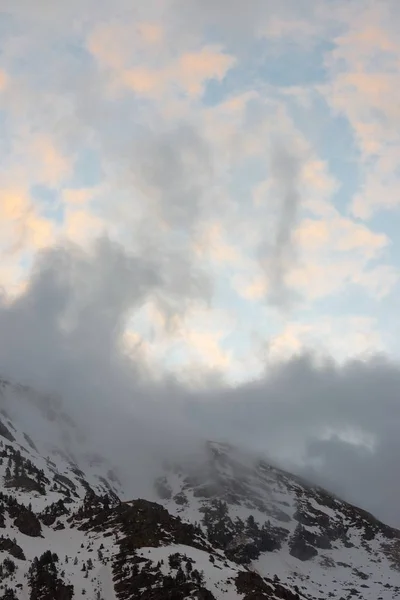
{"x": 227, "y": 525}
{"x": 280, "y": 525}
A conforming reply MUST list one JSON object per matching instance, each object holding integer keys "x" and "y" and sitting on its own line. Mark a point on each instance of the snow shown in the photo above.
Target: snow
{"x": 218, "y": 576}
{"x": 333, "y": 573}
{"x": 67, "y": 544}
{"x": 363, "y": 567}
{"x": 319, "y": 507}
{"x": 315, "y": 579}
{"x": 104, "y": 577}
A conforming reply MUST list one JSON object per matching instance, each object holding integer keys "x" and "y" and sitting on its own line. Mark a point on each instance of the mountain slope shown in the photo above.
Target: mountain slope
{"x": 227, "y": 527}
{"x": 64, "y": 532}
{"x": 280, "y": 525}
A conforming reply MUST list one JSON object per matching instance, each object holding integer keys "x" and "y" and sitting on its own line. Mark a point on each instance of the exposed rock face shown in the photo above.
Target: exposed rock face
{"x": 143, "y": 524}
{"x": 12, "y": 548}
{"x": 26, "y": 521}
{"x": 300, "y": 546}
{"x": 255, "y": 587}
{"x": 6, "y": 433}
{"x": 23, "y": 482}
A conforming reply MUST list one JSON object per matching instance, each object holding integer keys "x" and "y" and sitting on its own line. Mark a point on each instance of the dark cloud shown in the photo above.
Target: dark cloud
{"x": 63, "y": 335}
{"x": 336, "y": 424}
{"x": 278, "y": 255}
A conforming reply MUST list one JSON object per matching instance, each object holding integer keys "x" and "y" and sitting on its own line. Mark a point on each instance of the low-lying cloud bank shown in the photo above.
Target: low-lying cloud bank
{"x": 337, "y": 424}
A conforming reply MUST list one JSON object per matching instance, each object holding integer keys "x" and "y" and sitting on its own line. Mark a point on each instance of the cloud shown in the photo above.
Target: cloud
{"x": 379, "y": 281}
{"x": 124, "y": 56}
{"x": 337, "y": 251}
{"x": 190, "y": 72}
{"x": 251, "y": 288}
{"x": 82, "y": 226}
{"x": 90, "y": 293}
{"x": 285, "y": 170}
{"x": 151, "y": 33}
{"x": 362, "y": 83}
{"x": 23, "y": 227}
{"x": 223, "y": 177}
{"x": 3, "y": 80}
{"x": 339, "y": 336}
{"x": 171, "y": 163}
{"x": 53, "y": 166}
{"x": 79, "y": 196}
{"x": 175, "y": 167}
{"x": 63, "y": 334}
{"x": 303, "y": 414}
{"x": 256, "y": 19}
{"x": 206, "y": 345}
{"x": 212, "y": 242}
{"x": 341, "y": 234}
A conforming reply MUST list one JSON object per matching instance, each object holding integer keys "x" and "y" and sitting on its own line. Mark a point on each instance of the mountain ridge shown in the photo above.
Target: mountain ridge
{"x": 231, "y": 527}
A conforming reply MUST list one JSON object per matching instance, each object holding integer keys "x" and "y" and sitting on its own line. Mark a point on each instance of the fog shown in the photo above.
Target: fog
{"x": 336, "y": 424}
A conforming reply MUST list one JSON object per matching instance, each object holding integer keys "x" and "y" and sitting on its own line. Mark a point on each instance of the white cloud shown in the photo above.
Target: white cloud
{"x": 183, "y": 175}
{"x": 364, "y": 77}
{"x": 341, "y": 337}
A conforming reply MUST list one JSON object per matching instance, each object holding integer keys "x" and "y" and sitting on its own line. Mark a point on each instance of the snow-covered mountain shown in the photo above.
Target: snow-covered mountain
{"x": 280, "y": 525}
{"x": 226, "y": 526}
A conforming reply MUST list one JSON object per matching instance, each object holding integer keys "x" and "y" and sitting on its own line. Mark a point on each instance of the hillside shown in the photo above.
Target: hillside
{"x": 280, "y": 525}
{"x": 230, "y": 527}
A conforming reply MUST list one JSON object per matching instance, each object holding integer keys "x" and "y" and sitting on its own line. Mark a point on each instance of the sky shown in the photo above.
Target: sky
{"x": 199, "y": 204}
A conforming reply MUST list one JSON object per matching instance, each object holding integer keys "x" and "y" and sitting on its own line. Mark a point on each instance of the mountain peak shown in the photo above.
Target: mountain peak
{"x": 228, "y": 525}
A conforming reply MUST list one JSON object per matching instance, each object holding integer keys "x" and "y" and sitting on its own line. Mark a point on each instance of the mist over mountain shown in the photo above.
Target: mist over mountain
{"x": 64, "y": 335}
{"x": 214, "y": 522}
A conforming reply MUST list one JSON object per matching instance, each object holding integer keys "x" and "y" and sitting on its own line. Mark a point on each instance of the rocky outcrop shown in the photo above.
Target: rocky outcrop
{"x": 145, "y": 580}
{"x": 26, "y": 522}
{"x": 255, "y": 587}
{"x": 6, "y": 433}
{"x": 11, "y": 546}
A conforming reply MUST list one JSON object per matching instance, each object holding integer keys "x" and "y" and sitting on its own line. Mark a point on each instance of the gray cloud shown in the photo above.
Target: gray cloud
{"x": 165, "y": 176}
{"x": 279, "y": 255}
{"x": 236, "y": 19}
{"x": 177, "y": 164}
{"x": 337, "y": 425}
{"x": 63, "y": 334}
